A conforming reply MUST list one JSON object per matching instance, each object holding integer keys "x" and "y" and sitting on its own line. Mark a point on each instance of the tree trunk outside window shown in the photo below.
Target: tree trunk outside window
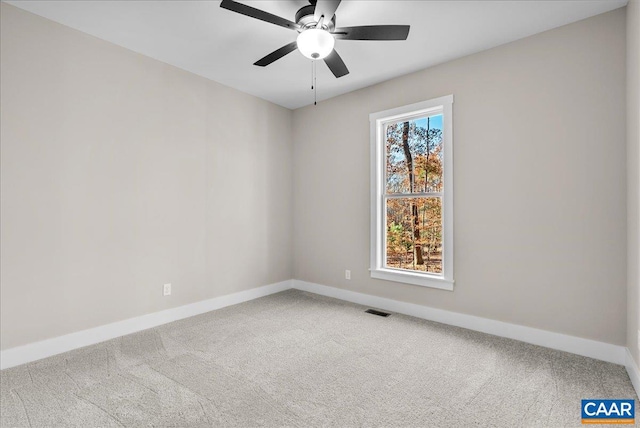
{"x": 417, "y": 247}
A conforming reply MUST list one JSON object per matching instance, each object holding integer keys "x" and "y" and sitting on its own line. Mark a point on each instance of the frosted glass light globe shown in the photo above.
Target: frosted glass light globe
{"x": 315, "y": 43}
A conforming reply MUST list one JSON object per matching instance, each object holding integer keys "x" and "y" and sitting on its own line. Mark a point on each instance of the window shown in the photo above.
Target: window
{"x": 412, "y": 194}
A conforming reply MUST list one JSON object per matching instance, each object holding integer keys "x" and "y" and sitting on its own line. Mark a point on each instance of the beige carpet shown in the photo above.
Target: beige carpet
{"x": 301, "y": 360}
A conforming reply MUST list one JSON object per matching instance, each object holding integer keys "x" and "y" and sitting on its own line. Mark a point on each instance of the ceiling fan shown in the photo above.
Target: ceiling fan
{"x": 316, "y": 25}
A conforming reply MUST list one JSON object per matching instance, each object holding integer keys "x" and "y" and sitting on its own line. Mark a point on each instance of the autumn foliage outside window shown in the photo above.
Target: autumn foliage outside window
{"x": 413, "y": 194}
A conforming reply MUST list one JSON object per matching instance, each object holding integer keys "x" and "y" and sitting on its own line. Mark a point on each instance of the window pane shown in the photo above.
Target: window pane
{"x": 414, "y": 155}
{"x": 414, "y": 234}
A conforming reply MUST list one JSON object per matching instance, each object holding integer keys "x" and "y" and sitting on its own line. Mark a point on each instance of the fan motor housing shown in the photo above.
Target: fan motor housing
{"x": 305, "y": 18}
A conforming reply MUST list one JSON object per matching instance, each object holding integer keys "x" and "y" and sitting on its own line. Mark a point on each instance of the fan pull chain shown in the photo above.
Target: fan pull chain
{"x": 315, "y": 84}
{"x": 312, "y": 75}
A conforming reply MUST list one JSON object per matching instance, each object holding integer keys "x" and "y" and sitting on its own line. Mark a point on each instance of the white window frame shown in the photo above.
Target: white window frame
{"x": 444, "y": 106}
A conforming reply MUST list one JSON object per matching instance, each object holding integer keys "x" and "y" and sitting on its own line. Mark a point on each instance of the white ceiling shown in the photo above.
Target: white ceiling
{"x": 201, "y": 37}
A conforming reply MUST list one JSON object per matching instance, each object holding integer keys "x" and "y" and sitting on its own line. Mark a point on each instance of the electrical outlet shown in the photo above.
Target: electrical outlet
{"x": 166, "y": 290}
{"x": 347, "y": 274}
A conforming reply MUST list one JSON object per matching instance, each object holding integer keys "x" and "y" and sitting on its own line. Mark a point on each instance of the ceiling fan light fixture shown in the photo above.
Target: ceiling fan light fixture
{"x": 315, "y": 43}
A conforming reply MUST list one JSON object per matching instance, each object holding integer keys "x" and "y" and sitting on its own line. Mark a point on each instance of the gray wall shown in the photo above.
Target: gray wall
{"x": 633, "y": 177}
{"x": 540, "y": 183}
{"x": 120, "y": 174}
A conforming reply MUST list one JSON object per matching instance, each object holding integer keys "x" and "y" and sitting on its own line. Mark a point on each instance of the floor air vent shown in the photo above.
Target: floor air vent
{"x": 378, "y": 313}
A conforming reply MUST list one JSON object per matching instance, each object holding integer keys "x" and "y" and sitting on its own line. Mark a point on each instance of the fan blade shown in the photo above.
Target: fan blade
{"x": 276, "y": 55}
{"x": 336, "y": 65}
{"x": 373, "y": 32}
{"x": 257, "y": 14}
{"x": 326, "y": 8}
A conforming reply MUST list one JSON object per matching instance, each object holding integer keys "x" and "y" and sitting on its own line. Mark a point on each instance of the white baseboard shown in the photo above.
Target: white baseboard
{"x": 57, "y": 345}
{"x": 575, "y": 345}
{"x": 634, "y": 373}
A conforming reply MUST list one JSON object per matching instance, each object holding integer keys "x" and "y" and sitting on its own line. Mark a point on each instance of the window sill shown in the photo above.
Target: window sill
{"x": 413, "y": 278}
